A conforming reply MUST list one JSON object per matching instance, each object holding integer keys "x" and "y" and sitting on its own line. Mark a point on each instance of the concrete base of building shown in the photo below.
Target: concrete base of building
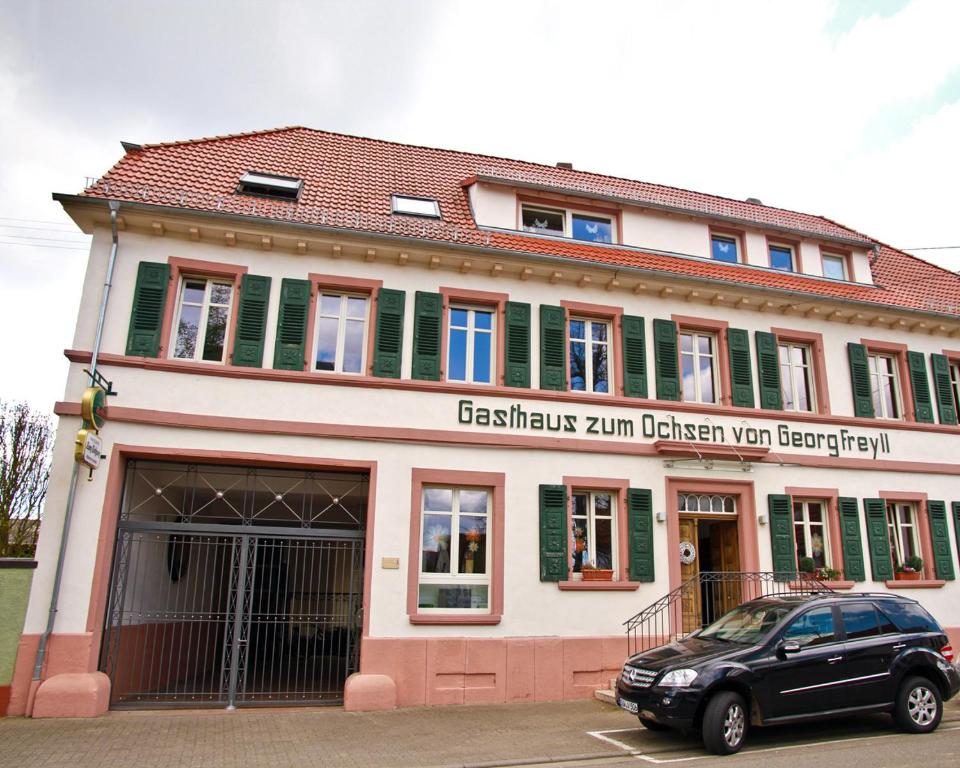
{"x": 369, "y": 693}
{"x": 83, "y": 694}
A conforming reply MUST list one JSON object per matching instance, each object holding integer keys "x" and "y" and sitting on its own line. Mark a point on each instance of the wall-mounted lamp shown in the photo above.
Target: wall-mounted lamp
{"x": 661, "y": 517}
{"x": 762, "y": 519}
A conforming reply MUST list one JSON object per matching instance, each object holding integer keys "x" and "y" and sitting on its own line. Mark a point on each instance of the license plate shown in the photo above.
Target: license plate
{"x": 630, "y": 706}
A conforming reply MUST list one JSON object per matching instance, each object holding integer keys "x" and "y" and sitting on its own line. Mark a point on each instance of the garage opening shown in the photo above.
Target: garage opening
{"x": 235, "y": 586}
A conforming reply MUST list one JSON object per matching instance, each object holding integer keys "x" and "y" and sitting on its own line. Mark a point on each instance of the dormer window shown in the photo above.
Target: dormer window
{"x": 268, "y": 185}
{"x": 567, "y": 223}
{"x": 416, "y": 206}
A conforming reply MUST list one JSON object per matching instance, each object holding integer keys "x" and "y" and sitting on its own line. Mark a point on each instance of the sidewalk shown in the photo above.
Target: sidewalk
{"x": 426, "y": 737}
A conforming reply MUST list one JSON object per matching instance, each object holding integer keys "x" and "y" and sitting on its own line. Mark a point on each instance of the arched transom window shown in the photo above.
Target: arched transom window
{"x": 712, "y": 503}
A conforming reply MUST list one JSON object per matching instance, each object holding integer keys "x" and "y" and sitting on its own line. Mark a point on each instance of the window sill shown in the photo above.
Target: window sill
{"x": 829, "y": 584}
{"x": 598, "y": 586}
{"x": 489, "y": 618}
{"x": 914, "y": 583}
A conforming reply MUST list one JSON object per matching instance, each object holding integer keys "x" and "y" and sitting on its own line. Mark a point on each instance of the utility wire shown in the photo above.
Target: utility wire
{"x": 41, "y": 239}
{"x": 43, "y": 245}
{"x": 36, "y": 221}
{"x": 40, "y": 229}
{"x": 934, "y": 248}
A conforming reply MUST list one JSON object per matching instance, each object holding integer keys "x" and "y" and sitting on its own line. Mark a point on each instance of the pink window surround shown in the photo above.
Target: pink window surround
{"x": 746, "y": 519}
{"x": 817, "y": 362}
{"x": 180, "y": 268}
{"x": 922, "y": 521}
{"x": 496, "y": 482}
{"x": 621, "y": 578}
{"x": 829, "y": 497}
{"x": 570, "y": 203}
{"x": 899, "y": 353}
{"x": 794, "y": 245}
{"x": 721, "y": 354}
{"x": 739, "y": 235}
{"x": 467, "y": 297}
{"x": 845, "y": 254}
{"x": 358, "y": 285}
{"x": 610, "y": 314}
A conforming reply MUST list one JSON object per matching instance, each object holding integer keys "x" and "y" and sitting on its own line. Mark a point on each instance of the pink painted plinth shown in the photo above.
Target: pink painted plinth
{"x": 368, "y": 693}
{"x": 73, "y": 694}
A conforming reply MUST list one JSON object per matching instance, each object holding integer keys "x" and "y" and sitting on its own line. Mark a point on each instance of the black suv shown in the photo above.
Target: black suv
{"x": 785, "y": 659}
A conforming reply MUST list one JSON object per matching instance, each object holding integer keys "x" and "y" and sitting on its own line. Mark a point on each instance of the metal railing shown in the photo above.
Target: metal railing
{"x": 703, "y": 599}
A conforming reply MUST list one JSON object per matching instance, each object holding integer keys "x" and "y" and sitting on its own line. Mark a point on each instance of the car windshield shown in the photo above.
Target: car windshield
{"x": 745, "y": 623}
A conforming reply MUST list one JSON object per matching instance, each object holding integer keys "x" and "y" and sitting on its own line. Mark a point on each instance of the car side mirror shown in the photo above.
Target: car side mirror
{"x": 788, "y": 647}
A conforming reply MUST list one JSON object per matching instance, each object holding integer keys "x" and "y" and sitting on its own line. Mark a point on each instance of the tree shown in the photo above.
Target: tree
{"x": 26, "y": 440}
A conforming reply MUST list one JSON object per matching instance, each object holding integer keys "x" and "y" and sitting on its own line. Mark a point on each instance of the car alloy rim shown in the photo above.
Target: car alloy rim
{"x": 922, "y": 705}
{"x": 733, "y": 725}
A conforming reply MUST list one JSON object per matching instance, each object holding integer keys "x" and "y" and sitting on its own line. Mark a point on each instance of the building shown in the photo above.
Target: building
{"x": 378, "y": 408}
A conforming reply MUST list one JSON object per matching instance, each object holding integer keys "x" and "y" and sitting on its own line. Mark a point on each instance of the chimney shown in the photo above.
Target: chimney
{"x": 754, "y": 200}
{"x": 565, "y": 166}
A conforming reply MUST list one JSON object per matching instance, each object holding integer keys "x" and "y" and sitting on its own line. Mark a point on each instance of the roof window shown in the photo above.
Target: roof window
{"x": 416, "y": 206}
{"x": 268, "y": 185}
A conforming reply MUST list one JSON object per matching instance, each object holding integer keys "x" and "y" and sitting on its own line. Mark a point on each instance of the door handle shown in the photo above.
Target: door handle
{"x": 898, "y": 646}
{"x": 834, "y": 659}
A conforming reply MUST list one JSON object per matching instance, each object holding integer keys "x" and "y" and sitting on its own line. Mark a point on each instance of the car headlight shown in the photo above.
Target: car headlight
{"x": 679, "y": 678}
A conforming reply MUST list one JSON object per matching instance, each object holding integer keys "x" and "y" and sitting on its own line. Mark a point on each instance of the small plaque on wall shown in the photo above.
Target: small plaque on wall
{"x": 390, "y": 563}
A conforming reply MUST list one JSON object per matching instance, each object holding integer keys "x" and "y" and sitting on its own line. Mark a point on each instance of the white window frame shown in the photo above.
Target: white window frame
{"x": 782, "y": 247}
{"x": 824, "y": 255}
{"x": 341, "y": 318}
{"x": 897, "y": 526}
{"x": 735, "y": 239}
{"x": 453, "y": 577}
{"x": 568, "y": 214}
{"x": 696, "y": 354}
{"x": 875, "y": 374}
{"x": 589, "y": 342}
{"x": 591, "y": 528}
{"x": 798, "y": 369}
{"x": 955, "y": 381}
{"x": 471, "y": 330}
{"x": 397, "y": 206}
{"x": 691, "y": 502}
{"x": 205, "y": 305}
{"x": 807, "y": 524}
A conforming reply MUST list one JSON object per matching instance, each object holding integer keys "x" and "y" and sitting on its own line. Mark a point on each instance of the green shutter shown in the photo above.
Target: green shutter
{"x": 956, "y": 523}
{"x": 741, "y": 377}
{"x": 553, "y": 533}
{"x": 780, "y": 507}
{"x": 427, "y": 316}
{"x": 146, "y": 318}
{"x": 860, "y": 380}
{"x": 640, "y": 523}
{"x": 943, "y": 389}
{"x": 668, "y": 363}
{"x": 940, "y": 538}
{"x": 517, "y": 340}
{"x": 553, "y": 374}
{"x": 251, "y": 321}
{"x": 388, "y": 345}
{"x": 289, "y": 350}
{"x": 922, "y": 402}
{"x": 853, "y": 565}
{"x": 634, "y": 356}
{"x": 768, "y": 371}
{"x": 878, "y": 541}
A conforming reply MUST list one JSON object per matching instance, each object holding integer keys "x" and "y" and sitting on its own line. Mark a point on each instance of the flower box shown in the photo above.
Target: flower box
{"x": 597, "y": 574}
{"x": 908, "y": 575}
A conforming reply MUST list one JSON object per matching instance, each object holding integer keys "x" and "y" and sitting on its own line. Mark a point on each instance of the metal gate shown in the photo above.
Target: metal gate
{"x": 203, "y": 612}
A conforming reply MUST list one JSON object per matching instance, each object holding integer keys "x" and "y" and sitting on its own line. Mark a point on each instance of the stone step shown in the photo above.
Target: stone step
{"x": 606, "y": 696}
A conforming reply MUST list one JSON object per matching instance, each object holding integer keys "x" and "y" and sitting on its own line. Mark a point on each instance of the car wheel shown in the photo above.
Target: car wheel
{"x": 919, "y": 706}
{"x": 725, "y": 723}
{"x": 653, "y": 725}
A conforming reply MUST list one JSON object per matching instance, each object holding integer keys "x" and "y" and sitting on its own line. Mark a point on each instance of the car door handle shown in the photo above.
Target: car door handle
{"x": 898, "y": 646}
{"x": 834, "y": 659}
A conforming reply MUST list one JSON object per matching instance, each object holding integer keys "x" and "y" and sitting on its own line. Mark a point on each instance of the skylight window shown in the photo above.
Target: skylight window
{"x": 416, "y": 206}
{"x": 268, "y": 185}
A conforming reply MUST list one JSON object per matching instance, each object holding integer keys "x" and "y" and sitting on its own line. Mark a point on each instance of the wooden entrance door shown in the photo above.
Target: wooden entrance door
{"x": 725, "y": 556}
{"x": 689, "y": 598}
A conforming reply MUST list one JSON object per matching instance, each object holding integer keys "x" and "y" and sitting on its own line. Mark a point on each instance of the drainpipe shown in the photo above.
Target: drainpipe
{"x": 75, "y": 475}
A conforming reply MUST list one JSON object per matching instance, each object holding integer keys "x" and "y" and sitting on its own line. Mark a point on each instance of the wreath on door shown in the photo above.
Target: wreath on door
{"x": 688, "y": 552}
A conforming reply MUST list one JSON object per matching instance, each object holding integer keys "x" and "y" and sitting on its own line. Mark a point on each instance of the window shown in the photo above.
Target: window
{"x": 955, "y": 382}
{"x": 416, "y": 206}
{"x": 834, "y": 266}
{"x": 812, "y": 628}
{"x": 698, "y": 367}
{"x": 203, "y": 313}
{"x": 589, "y": 355}
{"x": 725, "y": 248}
{"x": 563, "y": 223}
{"x": 341, "y": 341}
{"x": 471, "y": 345}
{"x": 268, "y": 185}
{"x": 692, "y": 502}
{"x": 811, "y": 532}
{"x": 455, "y": 550}
{"x": 909, "y": 617}
{"x": 594, "y": 530}
{"x": 860, "y": 620}
{"x": 902, "y": 530}
{"x": 796, "y": 380}
{"x": 884, "y": 386}
{"x": 781, "y": 257}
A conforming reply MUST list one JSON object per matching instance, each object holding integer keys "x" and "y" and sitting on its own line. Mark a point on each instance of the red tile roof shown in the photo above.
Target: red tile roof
{"x": 348, "y": 181}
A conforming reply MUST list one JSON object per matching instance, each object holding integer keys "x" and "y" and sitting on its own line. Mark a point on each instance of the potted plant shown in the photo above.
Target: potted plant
{"x": 590, "y": 572}
{"x": 808, "y": 568}
{"x": 828, "y": 574}
{"x": 911, "y": 570}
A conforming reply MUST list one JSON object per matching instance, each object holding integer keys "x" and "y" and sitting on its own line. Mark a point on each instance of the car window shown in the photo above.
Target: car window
{"x": 859, "y": 620}
{"x": 812, "y": 628}
{"x": 910, "y": 617}
{"x": 746, "y": 623}
{"x": 887, "y": 627}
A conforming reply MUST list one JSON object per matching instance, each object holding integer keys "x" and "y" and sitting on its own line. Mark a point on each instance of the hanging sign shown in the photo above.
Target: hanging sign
{"x": 88, "y": 448}
{"x": 91, "y": 407}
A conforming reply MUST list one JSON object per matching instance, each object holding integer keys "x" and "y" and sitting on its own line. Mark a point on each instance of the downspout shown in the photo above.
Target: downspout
{"x": 75, "y": 475}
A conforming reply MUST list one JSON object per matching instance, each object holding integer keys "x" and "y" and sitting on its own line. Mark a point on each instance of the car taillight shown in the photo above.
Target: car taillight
{"x": 947, "y": 652}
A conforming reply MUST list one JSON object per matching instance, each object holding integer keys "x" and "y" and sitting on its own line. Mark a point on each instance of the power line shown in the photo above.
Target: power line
{"x": 42, "y": 239}
{"x": 42, "y": 245}
{"x": 934, "y": 248}
{"x": 39, "y": 229}
{"x": 36, "y": 221}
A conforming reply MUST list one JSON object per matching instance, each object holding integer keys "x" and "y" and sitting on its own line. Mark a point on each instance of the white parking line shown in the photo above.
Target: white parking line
{"x": 602, "y": 736}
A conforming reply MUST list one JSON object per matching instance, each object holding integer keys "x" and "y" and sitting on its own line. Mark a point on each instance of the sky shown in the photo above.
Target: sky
{"x": 845, "y": 108}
